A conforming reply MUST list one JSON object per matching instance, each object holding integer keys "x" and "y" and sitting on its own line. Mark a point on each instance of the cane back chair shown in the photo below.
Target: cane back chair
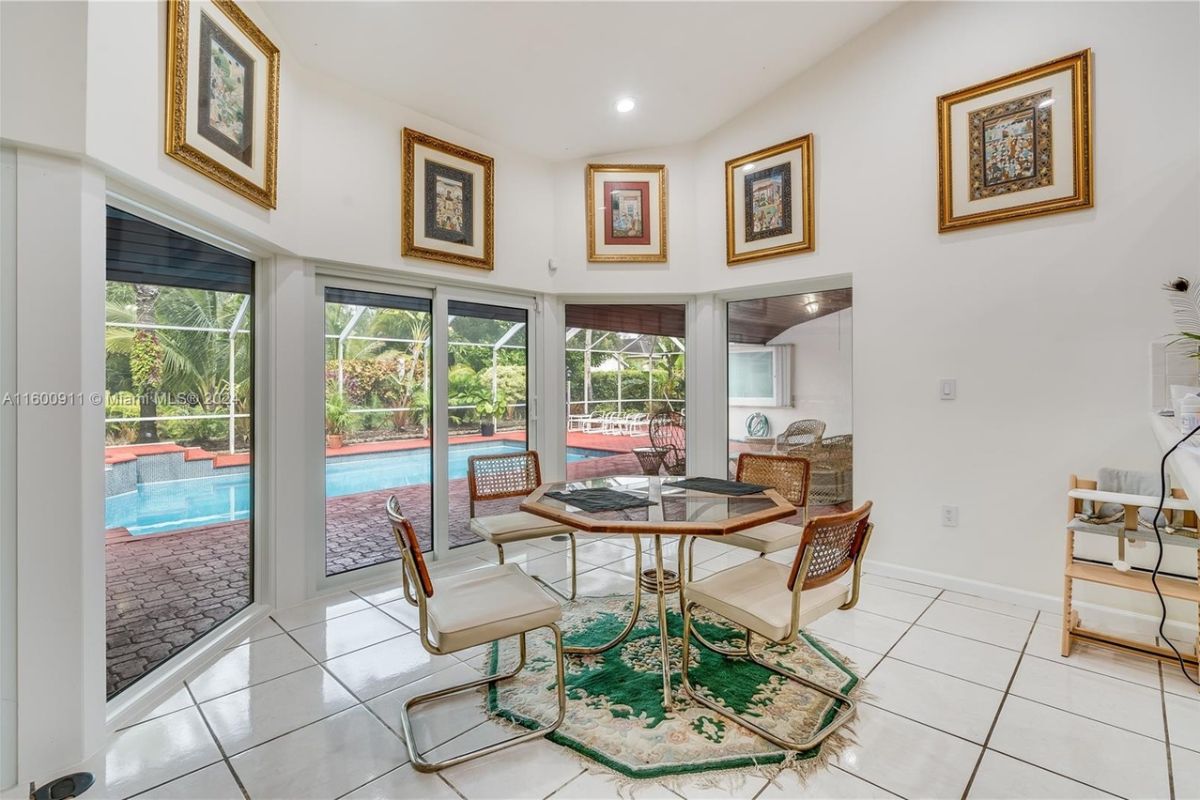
{"x": 788, "y": 475}
{"x": 474, "y": 608}
{"x": 506, "y": 475}
{"x": 668, "y": 435}
{"x": 775, "y": 601}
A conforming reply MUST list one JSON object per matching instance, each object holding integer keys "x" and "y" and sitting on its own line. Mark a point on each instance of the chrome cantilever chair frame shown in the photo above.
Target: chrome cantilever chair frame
{"x": 849, "y": 706}
{"x": 416, "y": 596}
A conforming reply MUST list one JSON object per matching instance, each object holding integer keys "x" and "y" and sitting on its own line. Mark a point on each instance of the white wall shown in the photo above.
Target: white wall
{"x": 339, "y": 159}
{"x": 822, "y": 378}
{"x": 1045, "y": 323}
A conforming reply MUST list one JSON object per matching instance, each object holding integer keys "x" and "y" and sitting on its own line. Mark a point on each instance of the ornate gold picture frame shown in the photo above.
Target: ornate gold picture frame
{"x": 447, "y": 204}
{"x": 223, "y": 97}
{"x": 626, "y": 212}
{"x": 1018, "y": 146}
{"x": 769, "y": 202}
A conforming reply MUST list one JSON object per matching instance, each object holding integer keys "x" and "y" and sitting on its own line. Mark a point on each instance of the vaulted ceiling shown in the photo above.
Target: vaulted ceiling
{"x": 544, "y": 77}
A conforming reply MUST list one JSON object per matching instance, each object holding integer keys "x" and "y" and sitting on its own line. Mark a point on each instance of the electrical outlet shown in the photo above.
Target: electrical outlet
{"x": 949, "y": 516}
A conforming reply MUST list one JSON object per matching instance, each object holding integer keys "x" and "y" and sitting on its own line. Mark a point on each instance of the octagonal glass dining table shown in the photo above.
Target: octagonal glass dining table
{"x": 671, "y": 510}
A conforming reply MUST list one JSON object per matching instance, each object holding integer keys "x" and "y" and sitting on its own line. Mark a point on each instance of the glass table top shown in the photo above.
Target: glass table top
{"x": 674, "y": 509}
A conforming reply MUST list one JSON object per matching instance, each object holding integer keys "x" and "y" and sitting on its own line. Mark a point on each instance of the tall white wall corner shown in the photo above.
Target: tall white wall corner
{"x": 59, "y": 436}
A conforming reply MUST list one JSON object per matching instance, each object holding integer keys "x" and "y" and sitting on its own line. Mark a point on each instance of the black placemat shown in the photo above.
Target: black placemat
{"x": 601, "y": 499}
{"x": 718, "y": 486}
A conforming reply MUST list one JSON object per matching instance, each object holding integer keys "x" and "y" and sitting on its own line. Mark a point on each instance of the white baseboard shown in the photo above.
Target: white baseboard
{"x": 1099, "y": 616}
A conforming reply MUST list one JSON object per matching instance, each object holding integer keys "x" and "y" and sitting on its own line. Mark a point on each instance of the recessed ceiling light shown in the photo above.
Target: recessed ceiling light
{"x": 625, "y": 105}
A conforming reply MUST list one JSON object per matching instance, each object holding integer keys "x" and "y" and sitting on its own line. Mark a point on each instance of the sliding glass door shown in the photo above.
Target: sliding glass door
{"x": 416, "y": 382}
{"x": 625, "y": 367}
{"x": 179, "y": 441}
{"x": 790, "y": 370}
{"x": 487, "y": 398}
{"x": 378, "y": 443}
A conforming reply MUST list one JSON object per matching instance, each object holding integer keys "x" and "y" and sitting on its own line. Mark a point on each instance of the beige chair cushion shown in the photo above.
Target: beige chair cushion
{"x": 485, "y": 605}
{"x": 769, "y": 538}
{"x": 515, "y": 527}
{"x": 755, "y": 596}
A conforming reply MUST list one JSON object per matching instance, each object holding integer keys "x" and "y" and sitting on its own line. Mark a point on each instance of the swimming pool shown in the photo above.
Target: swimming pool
{"x": 174, "y": 505}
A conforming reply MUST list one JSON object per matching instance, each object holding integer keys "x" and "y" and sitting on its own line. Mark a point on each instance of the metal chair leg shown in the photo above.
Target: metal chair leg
{"x": 574, "y": 574}
{"x": 421, "y": 765}
{"x": 849, "y": 706}
{"x": 633, "y": 617}
{"x": 745, "y": 651}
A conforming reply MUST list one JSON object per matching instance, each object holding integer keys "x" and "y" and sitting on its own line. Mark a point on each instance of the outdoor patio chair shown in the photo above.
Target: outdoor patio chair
{"x": 577, "y": 422}
{"x": 505, "y": 475}
{"x": 801, "y": 432}
{"x": 832, "y": 469}
{"x": 775, "y": 601}
{"x": 467, "y": 610}
{"x": 668, "y": 433}
{"x": 788, "y": 475}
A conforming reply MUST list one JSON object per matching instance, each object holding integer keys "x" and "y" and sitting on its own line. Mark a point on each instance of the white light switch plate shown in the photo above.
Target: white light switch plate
{"x": 949, "y": 516}
{"x": 948, "y": 389}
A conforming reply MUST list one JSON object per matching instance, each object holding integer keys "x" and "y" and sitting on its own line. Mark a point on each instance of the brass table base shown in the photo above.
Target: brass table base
{"x": 649, "y": 580}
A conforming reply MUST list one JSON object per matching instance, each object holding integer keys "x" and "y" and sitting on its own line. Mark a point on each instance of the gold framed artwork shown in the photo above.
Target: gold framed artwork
{"x": 223, "y": 96}
{"x": 626, "y": 212}
{"x": 447, "y": 214}
{"x": 1018, "y": 146}
{"x": 769, "y": 202}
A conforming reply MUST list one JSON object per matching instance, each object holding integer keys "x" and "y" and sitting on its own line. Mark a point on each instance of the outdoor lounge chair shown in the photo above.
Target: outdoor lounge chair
{"x": 775, "y": 601}
{"x": 504, "y": 475}
{"x": 467, "y": 610}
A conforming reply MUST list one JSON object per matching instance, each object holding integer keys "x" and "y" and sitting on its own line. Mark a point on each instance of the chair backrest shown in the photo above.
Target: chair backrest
{"x": 787, "y": 475}
{"x": 835, "y": 541}
{"x": 668, "y": 432}
{"x": 495, "y": 477}
{"x": 410, "y": 548}
{"x": 802, "y": 431}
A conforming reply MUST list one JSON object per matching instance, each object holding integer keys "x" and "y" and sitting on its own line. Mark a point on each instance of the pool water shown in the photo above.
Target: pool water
{"x": 174, "y": 505}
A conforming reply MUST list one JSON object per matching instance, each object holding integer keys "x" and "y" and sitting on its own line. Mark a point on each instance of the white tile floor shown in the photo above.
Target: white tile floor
{"x": 969, "y": 699}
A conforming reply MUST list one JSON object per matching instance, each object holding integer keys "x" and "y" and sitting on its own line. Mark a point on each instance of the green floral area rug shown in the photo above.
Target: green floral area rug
{"x": 614, "y": 700}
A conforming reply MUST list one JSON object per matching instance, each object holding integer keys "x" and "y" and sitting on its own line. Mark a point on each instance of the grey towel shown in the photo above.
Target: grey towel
{"x": 1126, "y": 481}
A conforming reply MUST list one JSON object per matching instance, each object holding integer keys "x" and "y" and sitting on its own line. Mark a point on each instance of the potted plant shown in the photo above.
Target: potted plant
{"x": 338, "y": 420}
{"x": 487, "y": 408}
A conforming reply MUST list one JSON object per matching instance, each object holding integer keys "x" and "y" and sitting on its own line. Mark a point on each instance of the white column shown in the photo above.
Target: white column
{"x": 60, "y": 616}
{"x": 291, "y": 442}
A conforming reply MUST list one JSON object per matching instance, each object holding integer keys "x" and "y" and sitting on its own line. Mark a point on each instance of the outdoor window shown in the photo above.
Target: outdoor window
{"x": 759, "y": 375}
{"x": 377, "y": 424}
{"x": 178, "y": 442}
{"x": 625, "y": 363}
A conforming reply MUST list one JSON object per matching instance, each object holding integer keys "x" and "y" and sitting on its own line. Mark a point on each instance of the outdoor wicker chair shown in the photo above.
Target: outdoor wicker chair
{"x": 799, "y": 433}
{"x": 505, "y": 475}
{"x": 478, "y": 607}
{"x": 832, "y": 469}
{"x": 775, "y": 601}
{"x": 668, "y": 433}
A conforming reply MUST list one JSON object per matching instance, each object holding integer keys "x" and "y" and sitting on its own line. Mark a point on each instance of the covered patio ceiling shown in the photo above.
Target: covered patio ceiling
{"x": 760, "y": 320}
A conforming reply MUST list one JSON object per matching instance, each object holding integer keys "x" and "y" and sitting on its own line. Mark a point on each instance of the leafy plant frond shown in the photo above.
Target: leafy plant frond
{"x": 1186, "y": 307}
